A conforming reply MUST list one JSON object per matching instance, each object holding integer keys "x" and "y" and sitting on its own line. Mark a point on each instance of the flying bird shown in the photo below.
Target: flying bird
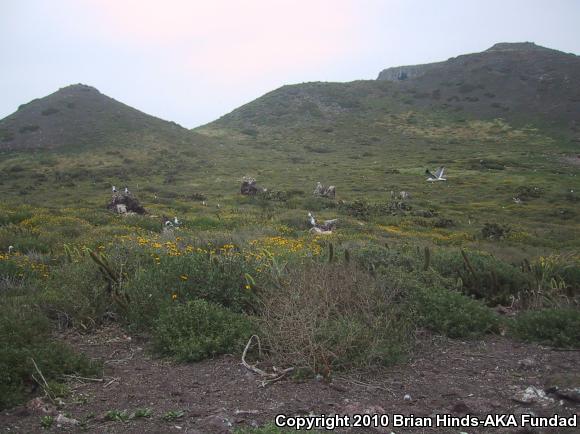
{"x": 439, "y": 175}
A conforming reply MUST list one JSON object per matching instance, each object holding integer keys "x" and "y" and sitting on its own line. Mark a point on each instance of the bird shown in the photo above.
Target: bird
{"x": 175, "y": 221}
{"x": 10, "y": 248}
{"x": 439, "y": 175}
{"x": 517, "y": 200}
{"x": 324, "y": 228}
{"x": 126, "y": 190}
{"x": 114, "y": 189}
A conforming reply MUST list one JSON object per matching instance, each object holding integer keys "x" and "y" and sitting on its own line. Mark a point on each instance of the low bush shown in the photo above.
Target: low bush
{"x": 220, "y": 279}
{"x": 333, "y": 316}
{"x": 482, "y": 275}
{"x": 196, "y": 330}
{"x": 25, "y": 336}
{"x": 453, "y": 314}
{"x": 556, "y": 327}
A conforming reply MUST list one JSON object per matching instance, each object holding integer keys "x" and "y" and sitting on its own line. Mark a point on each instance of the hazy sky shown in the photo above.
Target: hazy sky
{"x": 192, "y": 61}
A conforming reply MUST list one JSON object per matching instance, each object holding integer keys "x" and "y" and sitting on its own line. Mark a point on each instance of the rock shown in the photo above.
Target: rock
{"x": 63, "y": 420}
{"x": 37, "y": 405}
{"x": 219, "y": 422}
{"x": 533, "y": 395}
{"x": 123, "y": 203}
{"x": 527, "y": 363}
{"x": 571, "y": 393}
{"x": 249, "y": 187}
{"x": 121, "y": 208}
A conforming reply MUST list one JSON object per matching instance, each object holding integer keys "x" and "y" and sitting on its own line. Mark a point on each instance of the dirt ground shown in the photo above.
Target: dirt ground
{"x": 221, "y": 395}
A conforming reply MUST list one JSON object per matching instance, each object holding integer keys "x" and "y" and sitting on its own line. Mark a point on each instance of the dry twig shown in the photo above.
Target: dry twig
{"x": 270, "y": 377}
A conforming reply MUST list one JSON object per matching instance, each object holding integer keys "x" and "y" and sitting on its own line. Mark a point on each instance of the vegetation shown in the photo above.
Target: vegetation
{"x": 441, "y": 259}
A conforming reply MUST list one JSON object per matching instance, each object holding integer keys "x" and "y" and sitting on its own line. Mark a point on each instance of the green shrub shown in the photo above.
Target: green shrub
{"x": 557, "y": 327}
{"x": 482, "y": 275}
{"x": 196, "y": 330}
{"x": 220, "y": 279}
{"x": 75, "y": 295}
{"x": 24, "y": 336}
{"x": 453, "y": 314}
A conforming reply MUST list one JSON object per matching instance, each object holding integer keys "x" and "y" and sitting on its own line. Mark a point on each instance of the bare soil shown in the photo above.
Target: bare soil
{"x": 220, "y": 395}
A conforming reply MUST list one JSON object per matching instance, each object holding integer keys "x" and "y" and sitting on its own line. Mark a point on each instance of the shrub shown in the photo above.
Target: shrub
{"x": 75, "y": 295}
{"x": 25, "y": 335}
{"x": 50, "y": 111}
{"x": 453, "y": 314}
{"x": 28, "y": 129}
{"x": 482, "y": 275}
{"x": 220, "y": 279}
{"x": 495, "y": 231}
{"x": 196, "y": 330}
{"x": 557, "y": 327}
{"x": 333, "y": 316}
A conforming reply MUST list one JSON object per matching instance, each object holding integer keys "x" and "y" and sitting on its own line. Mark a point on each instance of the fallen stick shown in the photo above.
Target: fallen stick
{"x": 271, "y": 377}
{"x": 76, "y": 377}
{"x": 111, "y": 382}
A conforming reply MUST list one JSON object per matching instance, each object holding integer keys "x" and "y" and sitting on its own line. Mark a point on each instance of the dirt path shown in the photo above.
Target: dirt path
{"x": 220, "y": 395}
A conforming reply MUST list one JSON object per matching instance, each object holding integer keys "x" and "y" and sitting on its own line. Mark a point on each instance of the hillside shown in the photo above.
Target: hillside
{"x": 80, "y": 115}
{"x": 517, "y": 81}
{"x": 521, "y": 82}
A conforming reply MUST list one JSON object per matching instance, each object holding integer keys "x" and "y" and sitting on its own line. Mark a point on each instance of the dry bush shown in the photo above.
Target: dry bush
{"x": 333, "y": 316}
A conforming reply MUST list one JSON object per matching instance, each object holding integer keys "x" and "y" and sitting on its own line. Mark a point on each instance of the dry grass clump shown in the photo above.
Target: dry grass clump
{"x": 333, "y": 316}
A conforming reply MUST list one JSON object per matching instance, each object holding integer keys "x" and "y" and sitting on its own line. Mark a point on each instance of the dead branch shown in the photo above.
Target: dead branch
{"x": 270, "y": 377}
{"x": 83, "y": 379}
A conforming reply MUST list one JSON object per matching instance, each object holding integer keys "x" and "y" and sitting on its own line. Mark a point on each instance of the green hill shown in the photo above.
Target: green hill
{"x": 78, "y": 116}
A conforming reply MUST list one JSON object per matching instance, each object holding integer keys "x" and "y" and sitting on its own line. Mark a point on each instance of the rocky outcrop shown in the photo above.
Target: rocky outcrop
{"x": 401, "y": 73}
{"x": 125, "y": 203}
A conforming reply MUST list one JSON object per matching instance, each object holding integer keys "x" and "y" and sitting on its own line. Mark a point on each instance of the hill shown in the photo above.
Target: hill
{"x": 80, "y": 115}
{"x": 517, "y": 81}
{"x": 520, "y": 82}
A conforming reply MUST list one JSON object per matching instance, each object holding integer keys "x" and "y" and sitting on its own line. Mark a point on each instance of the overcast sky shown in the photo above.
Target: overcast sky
{"x": 191, "y": 61}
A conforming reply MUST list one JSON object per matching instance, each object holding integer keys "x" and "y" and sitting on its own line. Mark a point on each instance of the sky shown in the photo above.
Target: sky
{"x": 192, "y": 61}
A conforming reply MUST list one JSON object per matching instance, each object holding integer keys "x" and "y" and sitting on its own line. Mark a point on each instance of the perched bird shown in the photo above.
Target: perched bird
{"x": 10, "y": 248}
{"x": 439, "y": 175}
{"x": 114, "y": 189}
{"x": 321, "y": 228}
{"x": 126, "y": 190}
{"x": 176, "y": 222}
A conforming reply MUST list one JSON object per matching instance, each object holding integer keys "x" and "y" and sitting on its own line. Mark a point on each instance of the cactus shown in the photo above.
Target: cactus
{"x": 330, "y": 252}
{"x": 112, "y": 277}
{"x": 427, "y": 263}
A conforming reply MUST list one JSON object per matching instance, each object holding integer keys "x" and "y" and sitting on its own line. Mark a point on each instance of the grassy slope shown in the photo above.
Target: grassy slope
{"x": 363, "y": 137}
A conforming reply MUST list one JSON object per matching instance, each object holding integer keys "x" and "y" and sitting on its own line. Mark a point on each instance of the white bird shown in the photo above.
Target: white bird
{"x": 10, "y": 248}
{"x": 175, "y": 221}
{"x": 324, "y": 228}
{"x": 439, "y": 175}
{"x": 114, "y": 189}
{"x": 126, "y": 190}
